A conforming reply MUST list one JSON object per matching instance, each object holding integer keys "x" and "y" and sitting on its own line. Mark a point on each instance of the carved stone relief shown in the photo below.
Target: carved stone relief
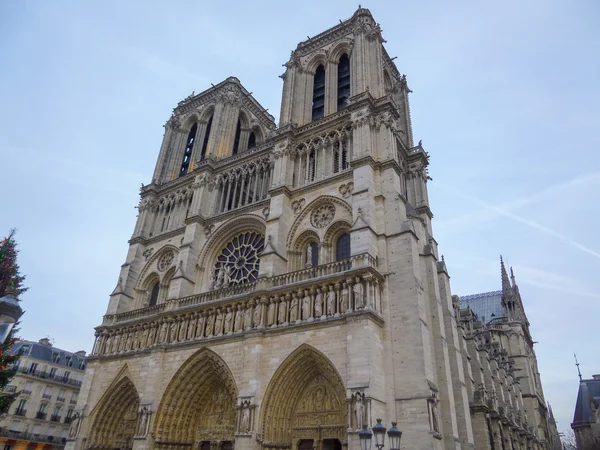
{"x": 165, "y": 261}
{"x": 323, "y": 215}
{"x": 297, "y": 205}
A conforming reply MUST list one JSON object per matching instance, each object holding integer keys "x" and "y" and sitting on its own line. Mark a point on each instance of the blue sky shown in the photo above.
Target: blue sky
{"x": 505, "y": 100}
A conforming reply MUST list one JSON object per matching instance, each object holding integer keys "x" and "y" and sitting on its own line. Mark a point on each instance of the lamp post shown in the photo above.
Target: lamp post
{"x": 395, "y": 435}
{"x": 365, "y": 436}
{"x": 379, "y": 432}
{"x": 10, "y": 312}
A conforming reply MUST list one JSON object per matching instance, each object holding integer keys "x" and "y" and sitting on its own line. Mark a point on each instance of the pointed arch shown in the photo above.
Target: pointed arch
{"x": 199, "y": 403}
{"x": 114, "y": 418}
{"x": 305, "y": 399}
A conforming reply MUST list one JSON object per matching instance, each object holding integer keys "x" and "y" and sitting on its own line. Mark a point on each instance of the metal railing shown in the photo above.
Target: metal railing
{"x": 21, "y": 412}
{"x": 41, "y": 415}
{"x": 22, "y": 435}
{"x": 48, "y": 396}
{"x": 54, "y": 418}
{"x": 45, "y": 375}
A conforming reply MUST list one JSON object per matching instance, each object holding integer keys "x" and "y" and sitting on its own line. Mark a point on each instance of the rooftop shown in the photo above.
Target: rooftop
{"x": 487, "y": 306}
{"x": 44, "y": 351}
{"x": 588, "y": 401}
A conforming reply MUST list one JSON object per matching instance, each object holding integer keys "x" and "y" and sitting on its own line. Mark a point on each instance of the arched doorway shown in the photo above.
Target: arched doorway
{"x": 305, "y": 404}
{"x": 198, "y": 408}
{"x": 114, "y": 420}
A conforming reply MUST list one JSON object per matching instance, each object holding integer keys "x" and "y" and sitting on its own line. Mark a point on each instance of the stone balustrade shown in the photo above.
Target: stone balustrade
{"x": 240, "y": 309}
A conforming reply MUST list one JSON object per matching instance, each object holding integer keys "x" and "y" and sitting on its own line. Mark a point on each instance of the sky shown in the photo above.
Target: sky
{"x": 505, "y": 99}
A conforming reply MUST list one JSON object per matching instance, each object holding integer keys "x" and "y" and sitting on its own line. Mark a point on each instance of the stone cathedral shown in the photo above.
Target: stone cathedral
{"x": 283, "y": 287}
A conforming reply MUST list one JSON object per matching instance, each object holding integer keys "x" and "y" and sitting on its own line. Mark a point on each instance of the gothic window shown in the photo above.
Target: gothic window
{"x": 206, "y": 136}
{"x": 340, "y": 157}
{"x": 189, "y": 146}
{"x": 344, "y": 156}
{"x": 154, "y": 294}
{"x": 343, "y": 82}
{"x": 240, "y": 259}
{"x": 236, "y": 141}
{"x": 252, "y": 140}
{"x": 314, "y": 254}
{"x": 342, "y": 247}
{"x": 312, "y": 166}
{"x": 318, "y": 104}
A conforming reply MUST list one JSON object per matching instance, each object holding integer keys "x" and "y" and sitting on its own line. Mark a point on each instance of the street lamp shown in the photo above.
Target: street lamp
{"x": 379, "y": 432}
{"x": 365, "y": 436}
{"x": 10, "y": 312}
{"x": 395, "y": 435}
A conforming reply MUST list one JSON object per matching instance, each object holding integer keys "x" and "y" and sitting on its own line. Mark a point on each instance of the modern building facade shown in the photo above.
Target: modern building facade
{"x": 283, "y": 287}
{"x": 47, "y": 385}
{"x": 586, "y": 420}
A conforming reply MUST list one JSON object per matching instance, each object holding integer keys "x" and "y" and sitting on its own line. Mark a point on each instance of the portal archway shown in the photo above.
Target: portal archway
{"x": 199, "y": 405}
{"x": 305, "y": 401}
{"x": 114, "y": 420}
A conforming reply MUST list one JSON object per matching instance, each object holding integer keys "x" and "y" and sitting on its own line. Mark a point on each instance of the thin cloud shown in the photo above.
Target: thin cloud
{"x": 502, "y": 211}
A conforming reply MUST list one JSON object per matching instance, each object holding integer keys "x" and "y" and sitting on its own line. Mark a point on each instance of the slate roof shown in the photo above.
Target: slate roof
{"x": 588, "y": 396}
{"x": 45, "y": 353}
{"x": 487, "y": 306}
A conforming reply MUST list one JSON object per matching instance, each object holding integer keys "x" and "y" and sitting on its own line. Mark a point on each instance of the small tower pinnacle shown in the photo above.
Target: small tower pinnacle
{"x": 505, "y": 280}
{"x": 577, "y": 364}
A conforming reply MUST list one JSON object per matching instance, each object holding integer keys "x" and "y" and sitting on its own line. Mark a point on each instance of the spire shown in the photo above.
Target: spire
{"x": 505, "y": 280}
{"x": 577, "y": 364}
{"x": 512, "y": 277}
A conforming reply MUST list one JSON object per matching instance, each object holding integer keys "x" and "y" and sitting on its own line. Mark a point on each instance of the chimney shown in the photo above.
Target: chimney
{"x": 596, "y": 377}
{"x": 81, "y": 353}
{"x": 45, "y": 341}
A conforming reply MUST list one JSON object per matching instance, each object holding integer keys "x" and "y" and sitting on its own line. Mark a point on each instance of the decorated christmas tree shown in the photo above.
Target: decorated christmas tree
{"x": 11, "y": 285}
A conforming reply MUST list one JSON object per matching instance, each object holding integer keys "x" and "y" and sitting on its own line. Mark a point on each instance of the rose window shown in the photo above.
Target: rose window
{"x": 165, "y": 261}
{"x": 241, "y": 256}
{"x": 323, "y": 215}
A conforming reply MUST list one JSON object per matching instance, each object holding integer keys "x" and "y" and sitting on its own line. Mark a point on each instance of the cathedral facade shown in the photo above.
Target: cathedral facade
{"x": 283, "y": 287}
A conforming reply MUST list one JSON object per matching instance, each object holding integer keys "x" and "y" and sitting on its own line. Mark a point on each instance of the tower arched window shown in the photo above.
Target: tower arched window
{"x": 154, "y": 294}
{"x": 343, "y": 82}
{"x": 313, "y": 253}
{"x": 252, "y": 140}
{"x": 318, "y": 104}
{"x": 342, "y": 247}
{"x": 236, "y": 141}
{"x": 206, "y": 136}
{"x": 189, "y": 146}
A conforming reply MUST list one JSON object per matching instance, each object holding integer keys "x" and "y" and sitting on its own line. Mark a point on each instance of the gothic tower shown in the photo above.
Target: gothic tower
{"x": 282, "y": 286}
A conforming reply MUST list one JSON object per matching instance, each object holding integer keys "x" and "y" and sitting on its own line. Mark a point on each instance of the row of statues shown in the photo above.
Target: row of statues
{"x": 322, "y": 302}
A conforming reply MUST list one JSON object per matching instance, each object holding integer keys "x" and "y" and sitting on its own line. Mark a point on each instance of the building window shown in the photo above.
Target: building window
{"x": 342, "y": 247}
{"x": 52, "y": 373}
{"x": 56, "y": 357}
{"x": 312, "y": 254}
{"x": 154, "y": 294}
{"x": 239, "y": 260}
{"x": 69, "y": 361}
{"x": 252, "y": 140}
{"x": 236, "y": 141}
{"x": 32, "y": 368}
{"x": 206, "y": 136}
{"x": 20, "y": 411}
{"x": 343, "y": 82}
{"x": 189, "y": 146}
{"x": 318, "y": 104}
{"x": 25, "y": 349}
{"x": 66, "y": 377}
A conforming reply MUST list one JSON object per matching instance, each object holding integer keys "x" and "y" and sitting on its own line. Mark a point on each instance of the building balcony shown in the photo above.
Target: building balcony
{"x": 26, "y": 391}
{"x": 60, "y": 399}
{"x": 45, "y": 375}
{"x": 68, "y": 420}
{"x": 23, "y": 436}
{"x": 9, "y": 389}
{"x": 54, "y": 418}
{"x": 322, "y": 294}
{"x": 41, "y": 415}
{"x": 48, "y": 396}
{"x": 73, "y": 402}
{"x": 21, "y": 412}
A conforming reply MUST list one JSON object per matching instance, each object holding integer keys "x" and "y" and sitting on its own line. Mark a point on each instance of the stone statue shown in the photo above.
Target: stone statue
{"x": 212, "y": 282}
{"x": 282, "y": 313}
{"x": 237, "y": 322}
{"x": 191, "y": 327}
{"x": 173, "y": 331}
{"x": 271, "y": 312}
{"x": 359, "y": 409}
{"x": 218, "y": 323}
{"x": 245, "y": 422}
{"x": 182, "y": 331}
{"x": 228, "y": 320}
{"x": 220, "y": 277}
{"x": 318, "y": 303}
{"x": 115, "y": 344}
{"x": 143, "y": 422}
{"x": 306, "y": 306}
{"x": 163, "y": 333}
{"x": 248, "y": 316}
{"x": 151, "y": 336}
{"x": 331, "y": 301}
{"x": 74, "y": 428}
{"x": 108, "y": 344}
{"x": 294, "y": 309}
{"x": 309, "y": 255}
{"x": 227, "y": 276}
{"x": 344, "y": 298}
{"x": 359, "y": 298}
{"x": 257, "y": 314}
{"x": 210, "y": 323}
{"x": 144, "y": 342}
